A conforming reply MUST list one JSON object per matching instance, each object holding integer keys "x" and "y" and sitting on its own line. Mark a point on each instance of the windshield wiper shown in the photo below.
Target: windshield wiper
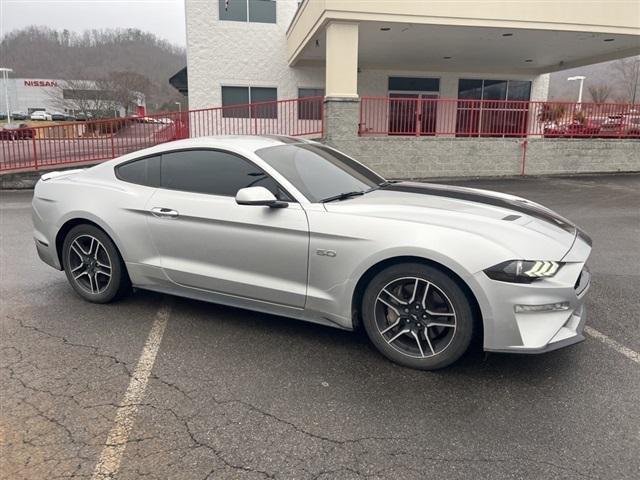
{"x": 343, "y": 196}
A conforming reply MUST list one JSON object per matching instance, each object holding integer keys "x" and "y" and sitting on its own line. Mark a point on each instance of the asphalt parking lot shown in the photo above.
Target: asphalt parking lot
{"x": 234, "y": 394}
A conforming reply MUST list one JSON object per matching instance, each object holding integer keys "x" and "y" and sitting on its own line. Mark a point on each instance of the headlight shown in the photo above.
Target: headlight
{"x": 523, "y": 271}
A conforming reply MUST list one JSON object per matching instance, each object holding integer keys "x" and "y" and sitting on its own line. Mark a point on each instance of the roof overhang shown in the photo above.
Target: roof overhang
{"x": 516, "y": 37}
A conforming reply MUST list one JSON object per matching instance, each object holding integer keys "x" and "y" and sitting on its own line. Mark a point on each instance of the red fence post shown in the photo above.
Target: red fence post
{"x": 35, "y": 152}
{"x": 113, "y": 148}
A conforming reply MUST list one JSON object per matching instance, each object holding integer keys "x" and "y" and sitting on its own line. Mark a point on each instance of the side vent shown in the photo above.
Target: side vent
{"x": 511, "y": 218}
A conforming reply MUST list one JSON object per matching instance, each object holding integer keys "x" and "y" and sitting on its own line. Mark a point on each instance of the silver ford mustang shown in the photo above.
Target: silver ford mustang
{"x": 295, "y": 228}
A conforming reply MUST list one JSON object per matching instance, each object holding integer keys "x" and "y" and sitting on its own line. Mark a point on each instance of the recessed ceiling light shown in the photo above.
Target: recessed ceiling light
{"x": 447, "y": 58}
{"x": 385, "y": 29}
{"x": 507, "y": 34}
{"x": 608, "y": 39}
{"x": 528, "y": 60}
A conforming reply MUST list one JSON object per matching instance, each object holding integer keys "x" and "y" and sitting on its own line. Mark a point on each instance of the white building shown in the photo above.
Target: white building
{"x": 28, "y": 95}
{"x": 242, "y": 51}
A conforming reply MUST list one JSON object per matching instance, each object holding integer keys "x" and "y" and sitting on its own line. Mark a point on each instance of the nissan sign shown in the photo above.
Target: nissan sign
{"x": 40, "y": 83}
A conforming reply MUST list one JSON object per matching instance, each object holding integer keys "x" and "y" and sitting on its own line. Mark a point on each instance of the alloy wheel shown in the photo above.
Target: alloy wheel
{"x": 89, "y": 264}
{"x": 415, "y": 317}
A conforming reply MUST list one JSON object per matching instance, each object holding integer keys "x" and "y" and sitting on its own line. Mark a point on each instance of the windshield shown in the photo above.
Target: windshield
{"x": 319, "y": 172}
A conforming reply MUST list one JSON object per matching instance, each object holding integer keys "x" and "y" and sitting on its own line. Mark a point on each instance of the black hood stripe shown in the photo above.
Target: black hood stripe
{"x": 480, "y": 197}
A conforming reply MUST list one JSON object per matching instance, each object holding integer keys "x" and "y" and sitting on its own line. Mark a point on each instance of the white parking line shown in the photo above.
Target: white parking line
{"x": 627, "y": 352}
{"x": 111, "y": 456}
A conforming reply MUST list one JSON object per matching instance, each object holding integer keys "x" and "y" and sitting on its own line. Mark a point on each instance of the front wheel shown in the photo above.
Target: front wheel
{"x": 93, "y": 265}
{"x": 418, "y": 316}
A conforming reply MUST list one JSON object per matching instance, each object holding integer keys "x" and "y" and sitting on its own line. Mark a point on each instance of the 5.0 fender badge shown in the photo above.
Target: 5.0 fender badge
{"x": 326, "y": 253}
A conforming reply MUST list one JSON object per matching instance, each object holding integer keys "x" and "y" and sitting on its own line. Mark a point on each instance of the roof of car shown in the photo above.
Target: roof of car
{"x": 239, "y": 143}
{"x": 247, "y": 142}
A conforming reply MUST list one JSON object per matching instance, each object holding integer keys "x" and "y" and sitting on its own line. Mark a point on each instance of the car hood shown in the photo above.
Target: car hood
{"x": 484, "y": 212}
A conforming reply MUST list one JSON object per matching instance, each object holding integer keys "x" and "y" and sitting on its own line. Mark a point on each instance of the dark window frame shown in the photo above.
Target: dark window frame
{"x": 263, "y": 110}
{"x": 290, "y": 198}
{"x": 247, "y": 18}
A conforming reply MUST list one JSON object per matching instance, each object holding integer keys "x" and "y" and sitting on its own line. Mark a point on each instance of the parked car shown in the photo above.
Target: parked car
{"x": 627, "y": 124}
{"x": 295, "y": 228}
{"x": 59, "y": 117}
{"x": 573, "y": 129}
{"x": 3, "y": 116}
{"x": 40, "y": 115}
{"x": 17, "y": 132}
{"x": 19, "y": 116}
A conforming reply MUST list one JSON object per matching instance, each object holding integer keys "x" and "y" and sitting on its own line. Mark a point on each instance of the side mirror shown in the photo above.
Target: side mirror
{"x": 258, "y": 196}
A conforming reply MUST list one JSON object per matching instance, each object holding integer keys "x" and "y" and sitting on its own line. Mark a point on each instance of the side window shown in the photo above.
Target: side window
{"x": 145, "y": 171}
{"x": 214, "y": 172}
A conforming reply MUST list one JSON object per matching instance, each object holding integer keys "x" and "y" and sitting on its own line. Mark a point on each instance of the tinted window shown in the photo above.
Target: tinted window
{"x": 261, "y": 94}
{"x": 310, "y": 109}
{"x": 495, "y": 90}
{"x": 519, "y": 90}
{"x": 319, "y": 172}
{"x": 214, "y": 173}
{"x": 414, "y": 84}
{"x": 142, "y": 172}
{"x": 262, "y": 11}
{"x": 470, "y": 89}
{"x": 233, "y": 10}
{"x": 235, "y": 96}
{"x": 242, "y": 96}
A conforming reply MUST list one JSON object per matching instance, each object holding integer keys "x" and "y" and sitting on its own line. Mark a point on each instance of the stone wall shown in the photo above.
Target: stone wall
{"x": 422, "y": 157}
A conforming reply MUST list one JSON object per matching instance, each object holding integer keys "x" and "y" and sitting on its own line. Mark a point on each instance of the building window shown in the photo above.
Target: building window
{"x": 492, "y": 108}
{"x": 250, "y": 101}
{"x": 413, "y": 105}
{"x": 258, "y": 11}
{"x": 414, "y": 84}
{"x": 310, "y": 108}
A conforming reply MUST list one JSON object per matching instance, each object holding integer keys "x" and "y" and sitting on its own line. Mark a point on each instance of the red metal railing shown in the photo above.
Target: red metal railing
{"x": 497, "y": 118}
{"x": 65, "y": 143}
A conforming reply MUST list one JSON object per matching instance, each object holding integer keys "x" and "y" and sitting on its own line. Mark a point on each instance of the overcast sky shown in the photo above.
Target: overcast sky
{"x": 165, "y": 18}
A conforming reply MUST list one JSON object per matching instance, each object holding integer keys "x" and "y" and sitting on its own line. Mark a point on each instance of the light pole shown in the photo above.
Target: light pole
{"x": 581, "y": 78}
{"x": 179, "y": 107}
{"x": 5, "y": 77}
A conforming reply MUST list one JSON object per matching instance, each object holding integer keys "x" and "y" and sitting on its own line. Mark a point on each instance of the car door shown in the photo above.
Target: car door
{"x": 207, "y": 241}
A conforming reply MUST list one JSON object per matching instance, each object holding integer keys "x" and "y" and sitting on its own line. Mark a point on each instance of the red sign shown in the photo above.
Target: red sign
{"x": 40, "y": 83}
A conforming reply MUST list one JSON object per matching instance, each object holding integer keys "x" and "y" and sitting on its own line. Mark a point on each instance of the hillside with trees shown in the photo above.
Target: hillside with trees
{"x": 142, "y": 58}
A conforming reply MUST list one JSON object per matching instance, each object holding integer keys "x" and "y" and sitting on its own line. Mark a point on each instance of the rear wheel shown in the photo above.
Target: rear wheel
{"x": 93, "y": 265}
{"x": 418, "y": 316}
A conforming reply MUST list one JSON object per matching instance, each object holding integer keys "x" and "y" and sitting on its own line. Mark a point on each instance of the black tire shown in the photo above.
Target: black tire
{"x": 98, "y": 284}
{"x": 446, "y": 342}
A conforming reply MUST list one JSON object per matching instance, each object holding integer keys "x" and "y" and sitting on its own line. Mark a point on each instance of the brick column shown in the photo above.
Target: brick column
{"x": 341, "y": 118}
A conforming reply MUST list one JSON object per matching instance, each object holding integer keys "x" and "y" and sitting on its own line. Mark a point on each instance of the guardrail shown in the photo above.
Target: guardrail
{"x": 35, "y": 147}
{"x": 497, "y": 118}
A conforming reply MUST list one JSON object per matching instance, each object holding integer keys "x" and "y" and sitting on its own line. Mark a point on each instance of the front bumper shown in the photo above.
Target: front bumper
{"x": 537, "y": 331}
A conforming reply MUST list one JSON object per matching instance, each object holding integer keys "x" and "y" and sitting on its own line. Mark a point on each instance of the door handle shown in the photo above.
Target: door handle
{"x": 162, "y": 212}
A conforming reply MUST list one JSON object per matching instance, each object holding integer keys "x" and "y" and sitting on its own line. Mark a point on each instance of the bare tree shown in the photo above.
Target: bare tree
{"x": 127, "y": 88}
{"x": 84, "y": 97}
{"x": 628, "y": 76}
{"x": 600, "y": 92}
